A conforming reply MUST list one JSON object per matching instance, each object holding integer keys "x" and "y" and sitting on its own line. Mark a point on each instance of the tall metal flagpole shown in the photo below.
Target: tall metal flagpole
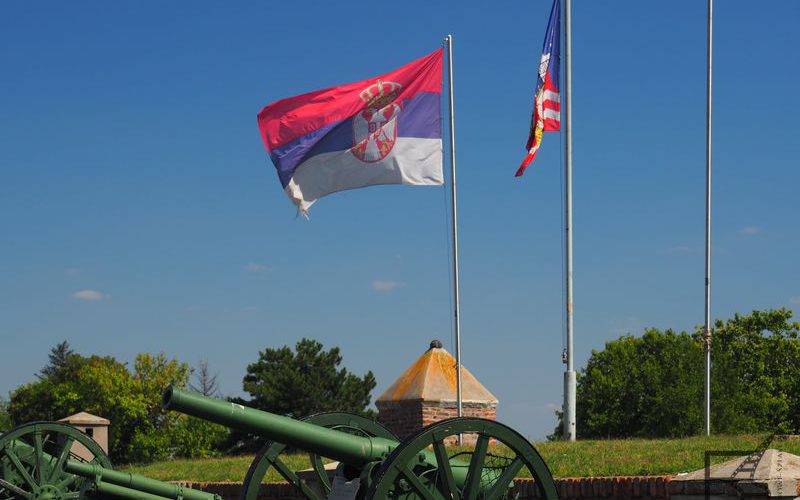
{"x": 449, "y": 41}
{"x": 569, "y": 375}
{"x": 707, "y": 335}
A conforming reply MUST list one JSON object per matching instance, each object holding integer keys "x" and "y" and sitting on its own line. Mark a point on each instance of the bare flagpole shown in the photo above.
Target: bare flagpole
{"x": 449, "y": 41}
{"x": 569, "y": 375}
{"x": 707, "y": 333}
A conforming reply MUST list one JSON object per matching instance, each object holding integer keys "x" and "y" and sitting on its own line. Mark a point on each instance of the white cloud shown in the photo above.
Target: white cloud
{"x": 795, "y": 301}
{"x": 385, "y": 285}
{"x": 72, "y": 271}
{"x": 89, "y": 295}
{"x": 253, "y": 267}
{"x": 678, "y": 249}
{"x": 750, "y": 230}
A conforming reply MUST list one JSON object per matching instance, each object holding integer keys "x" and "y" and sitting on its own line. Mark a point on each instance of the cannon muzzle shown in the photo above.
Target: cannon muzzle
{"x": 346, "y": 448}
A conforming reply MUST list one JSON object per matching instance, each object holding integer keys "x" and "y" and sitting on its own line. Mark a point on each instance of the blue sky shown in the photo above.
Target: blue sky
{"x": 140, "y": 211}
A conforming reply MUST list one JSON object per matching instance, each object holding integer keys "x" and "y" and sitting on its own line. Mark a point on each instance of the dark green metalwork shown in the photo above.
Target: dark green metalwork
{"x": 488, "y": 472}
{"x": 108, "y": 490}
{"x": 269, "y": 455}
{"x": 33, "y": 458}
{"x": 36, "y": 463}
{"x": 422, "y": 467}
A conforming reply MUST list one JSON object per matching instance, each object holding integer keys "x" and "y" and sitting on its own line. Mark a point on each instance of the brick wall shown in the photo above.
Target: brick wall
{"x": 583, "y": 488}
{"x": 401, "y": 417}
{"x": 408, "y": 416}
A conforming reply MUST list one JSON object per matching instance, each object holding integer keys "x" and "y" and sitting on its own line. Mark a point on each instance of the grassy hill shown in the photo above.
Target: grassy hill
{"x": 623, "y": 457}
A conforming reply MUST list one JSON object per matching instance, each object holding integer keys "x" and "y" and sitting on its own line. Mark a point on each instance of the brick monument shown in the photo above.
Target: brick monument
{"x": 426, "y": 393}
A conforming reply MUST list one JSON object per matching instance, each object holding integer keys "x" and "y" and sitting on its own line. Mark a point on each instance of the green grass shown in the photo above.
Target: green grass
{"x": 622, "y": 457}
{"x": 212, "y": 469}
{"x": 635, "y": 457}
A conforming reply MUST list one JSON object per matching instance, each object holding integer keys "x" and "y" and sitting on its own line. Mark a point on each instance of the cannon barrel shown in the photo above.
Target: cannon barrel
{"x": 346, "y": 448}
{"x": 132, "y": 482}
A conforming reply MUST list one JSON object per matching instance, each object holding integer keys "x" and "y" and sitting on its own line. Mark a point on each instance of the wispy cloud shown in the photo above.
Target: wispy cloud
{"x": 89, "y": 295}
{"x": 254, "y": 267}
{"x": 795, "y": 301}
{"x": 750, "y": 230}
{"x": 72, "y": 271}
{"x": 385, "y": 285}
{"x": 677, "y": 249}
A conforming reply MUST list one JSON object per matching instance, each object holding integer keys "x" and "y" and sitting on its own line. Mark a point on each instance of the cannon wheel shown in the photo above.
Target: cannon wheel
{"x": 32, "y": 458}
{"x": 269, "y": 455}
{"x": 489, "y": 472}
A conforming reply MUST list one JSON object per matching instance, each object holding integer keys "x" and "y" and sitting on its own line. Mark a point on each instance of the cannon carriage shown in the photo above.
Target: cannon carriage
{"x": 372, "y": 463}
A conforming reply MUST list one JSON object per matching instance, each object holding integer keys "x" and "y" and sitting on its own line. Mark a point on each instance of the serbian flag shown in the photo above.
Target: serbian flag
{"x": 383, "y": 130}
{"x": 546, "y": 115}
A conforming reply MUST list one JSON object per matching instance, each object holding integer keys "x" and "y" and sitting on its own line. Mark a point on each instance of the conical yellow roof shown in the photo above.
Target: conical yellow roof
{"x": 433, "y": 378}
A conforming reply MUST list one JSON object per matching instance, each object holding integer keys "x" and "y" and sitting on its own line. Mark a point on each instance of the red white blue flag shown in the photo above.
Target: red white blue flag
{"x": 546, "y": 115}
{"x": 383, "y": 130}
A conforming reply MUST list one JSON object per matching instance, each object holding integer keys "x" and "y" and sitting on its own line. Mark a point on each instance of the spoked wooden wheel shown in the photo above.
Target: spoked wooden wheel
{"x": 32, "y": 458}
{"x": 484, "y": 468}
{"x": 269, "y": 456}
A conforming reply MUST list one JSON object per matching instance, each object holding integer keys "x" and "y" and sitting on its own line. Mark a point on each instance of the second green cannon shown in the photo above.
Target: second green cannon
{"x": 373, "y": 463}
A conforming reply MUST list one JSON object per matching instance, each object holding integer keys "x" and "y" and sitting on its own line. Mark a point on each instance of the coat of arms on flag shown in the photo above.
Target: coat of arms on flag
{"x": 546, "y": 116}
{"x": 383, "y": 130}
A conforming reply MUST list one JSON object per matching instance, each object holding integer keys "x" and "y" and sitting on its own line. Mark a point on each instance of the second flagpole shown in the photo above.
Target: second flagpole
{"x": 569, "y": 376}
{"x": 707, "y": 329}
{"x": 448, "y": 40}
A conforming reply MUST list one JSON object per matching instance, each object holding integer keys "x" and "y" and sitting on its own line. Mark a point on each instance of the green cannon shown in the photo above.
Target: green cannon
{"x": 373, "y": 463}
{"x": 37, "y": 462}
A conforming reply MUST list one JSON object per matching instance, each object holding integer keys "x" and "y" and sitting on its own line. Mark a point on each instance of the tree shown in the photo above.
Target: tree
{"x": 756, "y": 373}
{"x": 642, "y": 386}
{"x": 302, "y": 382}
{"x": 653, "y": 385}
{"x": 57, "y": 359}
{"x": 206, "y": 382}
{"x": 306, "y": 381}
{"x": 140, "y": 430}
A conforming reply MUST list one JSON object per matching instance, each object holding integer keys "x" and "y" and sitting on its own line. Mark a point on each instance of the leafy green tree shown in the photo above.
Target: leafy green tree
{"x": 756, "y": 373}
{"x": 653, "y": 385}
{"x": 642, "y": 386}
{"x": 131, "y": 399}
{"x": 44, "y": 399}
